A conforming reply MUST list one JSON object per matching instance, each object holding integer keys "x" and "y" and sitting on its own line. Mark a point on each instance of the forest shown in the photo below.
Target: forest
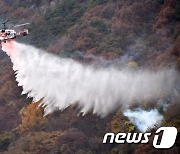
{"x": 146, "y": 31}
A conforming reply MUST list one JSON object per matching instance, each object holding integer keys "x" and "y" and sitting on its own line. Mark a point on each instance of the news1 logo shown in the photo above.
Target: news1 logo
{"x": 168, "y": 138}
{"x": 164, "y": 138}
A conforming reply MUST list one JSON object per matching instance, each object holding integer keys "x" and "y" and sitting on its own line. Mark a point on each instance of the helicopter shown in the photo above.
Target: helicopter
{"x": 11, "y": 34}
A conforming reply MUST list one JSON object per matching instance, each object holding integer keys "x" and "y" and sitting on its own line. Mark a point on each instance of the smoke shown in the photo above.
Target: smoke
{"x": 143, "y": 119}
{"x": 62, "y": 82}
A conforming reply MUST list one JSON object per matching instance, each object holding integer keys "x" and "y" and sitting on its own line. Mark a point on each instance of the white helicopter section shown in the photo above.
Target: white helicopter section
{"x": 10, "y": 34}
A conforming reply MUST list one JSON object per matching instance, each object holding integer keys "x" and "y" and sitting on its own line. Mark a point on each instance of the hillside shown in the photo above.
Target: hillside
{"x": 141, "y": 33}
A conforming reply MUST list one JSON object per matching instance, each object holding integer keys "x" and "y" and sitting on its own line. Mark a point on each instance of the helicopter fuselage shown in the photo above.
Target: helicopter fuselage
{"x": 10, "y": 34}
{"x": 7, "y": 34}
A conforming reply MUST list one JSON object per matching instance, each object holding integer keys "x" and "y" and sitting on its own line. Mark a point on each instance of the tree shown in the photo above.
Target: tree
{"x": 32, "y": 117}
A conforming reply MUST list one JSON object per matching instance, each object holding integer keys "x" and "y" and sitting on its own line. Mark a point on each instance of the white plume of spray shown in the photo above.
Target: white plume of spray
{"x": 64, "y": 82}
{"x": 143, "y": 119}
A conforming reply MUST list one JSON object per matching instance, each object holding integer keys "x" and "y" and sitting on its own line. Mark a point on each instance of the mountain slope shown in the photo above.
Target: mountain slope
{"x": 145, "y": 33}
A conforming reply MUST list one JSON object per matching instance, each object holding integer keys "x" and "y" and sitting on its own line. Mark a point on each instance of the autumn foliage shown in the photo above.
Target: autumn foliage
{"x": 32, "y": 117}
{"x": 144, "y": 33}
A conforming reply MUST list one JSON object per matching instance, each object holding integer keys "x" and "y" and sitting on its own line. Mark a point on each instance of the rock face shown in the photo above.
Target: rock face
{"x": 144, "y": 33}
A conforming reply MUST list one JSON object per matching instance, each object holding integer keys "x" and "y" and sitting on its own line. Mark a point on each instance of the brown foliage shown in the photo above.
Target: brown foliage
{"x": 173, "y": 111}
{"x": 106, "y": 30}
{"x": 32, "y": 117}
{"x": 71, "y": 141}
{"x": 9, "y": 118}
{"x": 176, "y": 48}
{"x": 166, "y": 13}
{"x": 21, "y": 13}
{"x": 121, "y": 28}
{"x": 4, "y": 7}
{"x": 83, "y": 43}
{"x": 36, "y": 142}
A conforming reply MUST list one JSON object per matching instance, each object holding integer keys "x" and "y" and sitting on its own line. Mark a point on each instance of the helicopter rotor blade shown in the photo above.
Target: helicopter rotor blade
{"x": 5, "y": 22}
{"x": 21, "y": 25}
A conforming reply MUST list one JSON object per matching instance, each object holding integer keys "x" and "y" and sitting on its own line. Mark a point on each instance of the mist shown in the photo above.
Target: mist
{"x": 143, "y": 119}
{"x": 62, "y": 82}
